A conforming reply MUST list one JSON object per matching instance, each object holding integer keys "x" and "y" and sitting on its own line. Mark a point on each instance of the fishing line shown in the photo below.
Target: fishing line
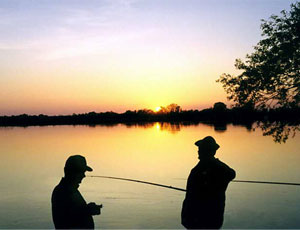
{"x": 266, "y": 182}
{"x": 183, "y": 190}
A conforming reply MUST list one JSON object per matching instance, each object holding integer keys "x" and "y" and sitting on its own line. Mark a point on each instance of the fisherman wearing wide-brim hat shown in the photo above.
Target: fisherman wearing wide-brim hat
{"x": 69, "y": 209}
{"x": 204, "y": 204}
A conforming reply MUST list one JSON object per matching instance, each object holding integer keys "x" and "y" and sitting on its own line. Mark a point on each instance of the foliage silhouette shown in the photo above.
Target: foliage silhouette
{"x": 271, "y": 74}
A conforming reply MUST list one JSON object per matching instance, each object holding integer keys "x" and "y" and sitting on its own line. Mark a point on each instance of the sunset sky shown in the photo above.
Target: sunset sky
{"x": 77, "y": 56}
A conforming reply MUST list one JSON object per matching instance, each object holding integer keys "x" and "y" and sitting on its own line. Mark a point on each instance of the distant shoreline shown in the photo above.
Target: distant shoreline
{"x": 211, "y": 115}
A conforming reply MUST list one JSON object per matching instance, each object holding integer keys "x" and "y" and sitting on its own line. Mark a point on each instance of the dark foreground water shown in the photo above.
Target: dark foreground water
{"x": 32, "y": 161}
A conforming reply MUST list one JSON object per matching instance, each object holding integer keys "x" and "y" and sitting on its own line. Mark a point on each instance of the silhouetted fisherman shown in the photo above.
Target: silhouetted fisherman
{"x": 69, "y": 209}
{"x": 204, "y": 203}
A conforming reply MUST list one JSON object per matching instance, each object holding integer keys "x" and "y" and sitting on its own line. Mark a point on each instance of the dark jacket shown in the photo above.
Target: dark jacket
{"x": 204, "y": 203}
{"x": 69, "y": 209}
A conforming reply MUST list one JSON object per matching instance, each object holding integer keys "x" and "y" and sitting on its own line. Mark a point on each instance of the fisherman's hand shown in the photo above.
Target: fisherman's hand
{"x": 94, "y": 209}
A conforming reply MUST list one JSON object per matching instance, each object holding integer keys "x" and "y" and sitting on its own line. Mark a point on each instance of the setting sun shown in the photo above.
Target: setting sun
{"x": 157, "y": 109}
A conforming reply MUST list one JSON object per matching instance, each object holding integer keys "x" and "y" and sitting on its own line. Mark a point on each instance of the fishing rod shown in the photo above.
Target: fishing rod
{"x": 183, "y": 190}
{"x": 140, "y": 181}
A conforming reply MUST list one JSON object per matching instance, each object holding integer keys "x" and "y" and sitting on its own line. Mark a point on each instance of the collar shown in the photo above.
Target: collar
{"x": 69, "y": 184}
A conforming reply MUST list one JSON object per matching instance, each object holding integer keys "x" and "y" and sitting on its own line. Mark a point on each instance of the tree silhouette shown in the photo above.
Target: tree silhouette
{"x": 271, "y": 74}
{"x": 219, "y": 107}
{"x": 172, "y": 108}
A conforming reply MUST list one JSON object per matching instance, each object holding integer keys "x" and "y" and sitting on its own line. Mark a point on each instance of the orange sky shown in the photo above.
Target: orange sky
{"x": 63, "y": 58}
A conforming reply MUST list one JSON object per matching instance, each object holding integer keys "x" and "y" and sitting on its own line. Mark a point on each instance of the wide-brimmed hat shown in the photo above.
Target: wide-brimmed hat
{"x": 77, "y": 163}
{"x": 208, "y": 142}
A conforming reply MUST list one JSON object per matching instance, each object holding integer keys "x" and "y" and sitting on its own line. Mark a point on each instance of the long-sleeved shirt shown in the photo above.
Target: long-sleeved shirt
{"x": 204, "y": 203}
{"x": 69, "y": 209}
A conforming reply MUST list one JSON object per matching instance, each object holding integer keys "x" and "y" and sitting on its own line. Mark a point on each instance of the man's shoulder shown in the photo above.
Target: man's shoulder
{"x": 220, "y": 163}
{"x": 61, "y": 190}
{"x": 214, "y": 165}
{"x": 197, "y": 167}
{"x": 58, "y": 191}
{"x": 60, "y": 186}
{"x": 225, "y": 168}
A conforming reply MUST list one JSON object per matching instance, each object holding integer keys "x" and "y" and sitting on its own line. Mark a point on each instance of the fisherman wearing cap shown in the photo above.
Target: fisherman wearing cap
{"x": 204, "y": 204}
{"x": 69, "y": 209}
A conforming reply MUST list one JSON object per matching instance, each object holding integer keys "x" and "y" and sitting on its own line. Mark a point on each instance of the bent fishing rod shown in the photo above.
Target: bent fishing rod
{"x": 183, "y": 190}
{"x": 140, "y": 181}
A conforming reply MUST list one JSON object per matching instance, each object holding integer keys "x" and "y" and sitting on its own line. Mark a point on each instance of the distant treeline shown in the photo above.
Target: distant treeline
{"x": 173, "y": 113}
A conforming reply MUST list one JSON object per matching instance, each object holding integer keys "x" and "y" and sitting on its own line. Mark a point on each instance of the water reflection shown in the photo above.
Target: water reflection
{"x": 220, "y": 127}
{"x": 279, "y": 131}
{"x": 174, "y": 127}
{"x": 33, "y": 159}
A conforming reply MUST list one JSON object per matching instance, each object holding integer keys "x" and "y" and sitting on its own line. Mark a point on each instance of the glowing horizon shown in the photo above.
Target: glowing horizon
{"x": 64, "y": 57}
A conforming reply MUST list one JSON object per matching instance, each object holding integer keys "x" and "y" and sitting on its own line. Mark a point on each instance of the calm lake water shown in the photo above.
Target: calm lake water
{"x": 32, "y": 161}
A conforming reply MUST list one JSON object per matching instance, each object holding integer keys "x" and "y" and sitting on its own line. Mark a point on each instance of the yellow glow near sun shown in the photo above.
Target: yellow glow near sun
{"x": 157, "y": 126}
{"x": 157, "y": 109}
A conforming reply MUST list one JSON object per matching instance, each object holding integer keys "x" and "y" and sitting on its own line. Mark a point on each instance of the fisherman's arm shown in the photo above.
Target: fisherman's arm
{"x": 228, "y": 172}
{"x": 79, "y": 207}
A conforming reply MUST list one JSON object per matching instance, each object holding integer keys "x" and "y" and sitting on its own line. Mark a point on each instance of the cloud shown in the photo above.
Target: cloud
{"x": 63, "y": 32}
{"x": 73, "y": 46}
